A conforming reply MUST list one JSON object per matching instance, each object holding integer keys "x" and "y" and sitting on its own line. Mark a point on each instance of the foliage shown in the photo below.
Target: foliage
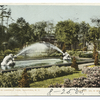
{"x": 73, "y": 53}
{"x": 16, "y": 50}
{"x": 55, "y": 54}
{"x": 45, "y": 73}
{"x": 10, "y": 79}
{"x": 1, "y": 58}
{"x": 88, "y": 55}
{"x": 92, "y": 79}
{"x": 74, "y": 64}
{"x": 67, "y": 32}
{"x": 85, "y": 49}
{"x": 93, "y": 34}
{"x": 94, "y": 51}
{"x": 8, "y": 51}
{"x": 38, "y": 30}
{"x": 19, "y": 57}
{"x": 24, "y": 82}
{"x": 83, "y": 34}
{"x": 12, "y": 43}
{"x": 53, "y": 81}
{"x": 80, "y": 44}
{"x": 96, "y": 59}
{"x": 20, "y": 31}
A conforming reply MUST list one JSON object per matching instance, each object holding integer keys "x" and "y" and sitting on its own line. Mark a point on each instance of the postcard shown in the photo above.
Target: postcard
{"x": 49, "y": 49}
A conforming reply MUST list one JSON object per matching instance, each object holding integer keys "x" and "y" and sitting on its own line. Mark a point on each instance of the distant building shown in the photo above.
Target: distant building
{"x": 51, "y": 39}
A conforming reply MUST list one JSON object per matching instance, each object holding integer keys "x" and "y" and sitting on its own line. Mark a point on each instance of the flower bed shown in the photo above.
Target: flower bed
{"x": 92, "y": 79}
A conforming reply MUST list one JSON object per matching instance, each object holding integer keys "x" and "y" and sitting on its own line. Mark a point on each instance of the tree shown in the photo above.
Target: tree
{"x": 49, "y": 27}
{"x": 96, "y": 59}
{"x": 83, "y": 34}
{"x": 74, "y": 64}
{"x": 96, "y": 21}
{"x": 94, "y": 51}
{"x": 93, "y": 34}
{"x": 39, "y": 30}
{"x": 24, "y": 31}
{"x": 24, "y": 82}
{"x": 20, "y": 31}
{"x": 12, "y": 43}
{"x": 67, "y": 32}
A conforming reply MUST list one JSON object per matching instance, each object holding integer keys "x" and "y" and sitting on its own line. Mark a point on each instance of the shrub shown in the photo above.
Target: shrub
{"x": 88, "y": 55}
{"x": 15, "y": 50}
{"x": 1, "y": 58}
{"x": 8, "y": 51}
{"x": 24, "y": 82}
{"x": 19, "y": 57}
{"x": 94, "y": 51}
{"x": 51, "y": 72}
{"x": 73, "y": 53}
{"x": 85, "y": 49}
{"x": 10, "y": 79}
{"x": 96, "y": 59}
{"x": 55, "y": 54}
{"x": 74, "y": 64}
{"x": 92, "y": 79}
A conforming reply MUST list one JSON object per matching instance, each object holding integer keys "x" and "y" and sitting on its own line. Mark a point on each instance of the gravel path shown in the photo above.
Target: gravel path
{"x": 83, "y": 65}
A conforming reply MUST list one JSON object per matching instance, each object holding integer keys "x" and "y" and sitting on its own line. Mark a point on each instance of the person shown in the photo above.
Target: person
{"x": 8, "y": 62}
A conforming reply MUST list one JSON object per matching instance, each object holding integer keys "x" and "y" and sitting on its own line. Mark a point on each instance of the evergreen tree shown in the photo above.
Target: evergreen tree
{"x": 74, "y": 64}
{"x": 94, "y": 51}
{"x": 96, "y": 59}
{"x": 24, "y": 82}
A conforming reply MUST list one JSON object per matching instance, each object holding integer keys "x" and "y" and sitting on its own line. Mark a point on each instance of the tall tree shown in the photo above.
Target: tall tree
{"x": 20, "y": 31}
{"x": 5, "y": 14}
{"x": 39, "y": 30}
{"x": 84, "y": 27}
{"x": 93, "y": 34}
{"x": 96, "y": 21}
{"x": 67, "y": 32}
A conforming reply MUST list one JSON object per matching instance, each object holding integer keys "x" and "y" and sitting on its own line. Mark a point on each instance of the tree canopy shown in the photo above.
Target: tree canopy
{"x": 67, "y": 32}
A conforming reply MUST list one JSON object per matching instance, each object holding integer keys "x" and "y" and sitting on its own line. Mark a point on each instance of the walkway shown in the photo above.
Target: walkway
{"x": 83, "y": 65}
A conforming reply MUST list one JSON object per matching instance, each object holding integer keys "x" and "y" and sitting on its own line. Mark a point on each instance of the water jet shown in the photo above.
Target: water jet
{"x": 40, "y": 48}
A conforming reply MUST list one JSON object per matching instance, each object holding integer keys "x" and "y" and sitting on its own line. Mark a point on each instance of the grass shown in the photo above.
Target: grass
{"x": 60, "y": 80}
{"x": 91, "y": 66}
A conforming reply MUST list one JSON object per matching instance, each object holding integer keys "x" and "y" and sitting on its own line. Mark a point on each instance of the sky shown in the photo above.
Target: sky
{"x": 54, "y": 13}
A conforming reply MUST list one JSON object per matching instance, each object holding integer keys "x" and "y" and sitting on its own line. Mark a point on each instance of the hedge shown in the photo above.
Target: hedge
{"x": 88, "y": 55}
{"x": 51, "y": 72}
{"x": 11, "y": 79}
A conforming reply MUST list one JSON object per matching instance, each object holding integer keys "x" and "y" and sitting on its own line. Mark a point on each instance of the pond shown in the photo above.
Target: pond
{"x": 40, "y": 62}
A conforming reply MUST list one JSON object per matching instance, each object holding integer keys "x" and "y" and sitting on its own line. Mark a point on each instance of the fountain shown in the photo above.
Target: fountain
{"x": 8, "y": 62}
{"x": 40, "y": 47}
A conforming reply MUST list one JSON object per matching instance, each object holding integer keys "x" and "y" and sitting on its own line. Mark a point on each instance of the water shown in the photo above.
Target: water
{"x": 52, "y": 46}
{"x": 33, "y": 48}
{"x": 38, "y": 47}
{"x": 27, "y": 63}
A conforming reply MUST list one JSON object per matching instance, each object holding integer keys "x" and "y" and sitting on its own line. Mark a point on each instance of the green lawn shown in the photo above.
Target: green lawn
{"x": 60, "y": 80}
